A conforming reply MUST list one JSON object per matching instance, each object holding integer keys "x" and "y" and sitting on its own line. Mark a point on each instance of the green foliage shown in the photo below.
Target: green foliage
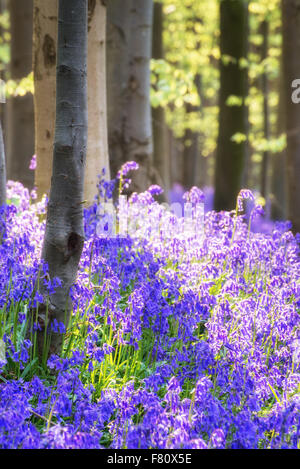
{"x": 188, "y": 76}
{"x": 186, "y": 81}
{"x": 20, "y": 87}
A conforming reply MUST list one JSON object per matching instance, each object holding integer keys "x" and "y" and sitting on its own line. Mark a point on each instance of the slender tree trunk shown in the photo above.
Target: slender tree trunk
{"x": 20, "y": 119}
{"x": 45, "y": 32}
{"x": 291, "y": 71}
{"x": 278, "y": 162}
{"x": 118, "y": 36}
{"x": 265, "y": 91}
{"x": 97, "y": 149}
{"x": 190, "y": 155}
{"x": 2, "y": 187}
{"x": 160, "y": 152}
{"x": 44, "y": 66}
{"x": 129, "y": 112}
{"x": 138, "y": 141}
{"x": 64, "y": 234}
{"x": 2, "y": 171}
{"x": 231, "y": 156}
{"x": 3, "y": 73}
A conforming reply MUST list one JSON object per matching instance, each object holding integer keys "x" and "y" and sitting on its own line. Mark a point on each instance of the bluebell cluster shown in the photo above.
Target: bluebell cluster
{"x": 174, "y": 342}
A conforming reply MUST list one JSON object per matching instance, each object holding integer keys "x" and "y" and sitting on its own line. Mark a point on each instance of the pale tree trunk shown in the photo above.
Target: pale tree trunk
{"x": 118, "y": 38}
{"x": 20, "y": 118}
{"x": 3, "y": 75}
{"x": 2, "y": 187}
{"x": 64, "y": 236}
{"x": 160, "y": 152}
{"x": 291, "y": 71}
{"x": 138, "y": 141}
{"x": 278, "y": 162}
{"x": 2, "y": 171}
{"x": 44, "y": 65}
{"x": 265, "y": 90}
{"x": 230, "y": 155}
{"x": 129, "y": 112}
{"x": 192, "y": 158}
{"x": 97, "y": 149}
{"x": 45, "y": 61}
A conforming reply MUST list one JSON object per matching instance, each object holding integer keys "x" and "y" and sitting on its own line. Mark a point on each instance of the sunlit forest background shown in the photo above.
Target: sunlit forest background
{"x": 145, "y": 327}
{"x": 185, "y": 99}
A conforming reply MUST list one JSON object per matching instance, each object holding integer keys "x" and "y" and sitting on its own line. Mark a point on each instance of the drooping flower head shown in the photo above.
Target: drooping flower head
{"x": 194, "y": 195}
{"x": 155, "y": 189}
{"x": 32, "y": 164}
{"x": 128, "y": 166}
{"x": 244, "y": 194}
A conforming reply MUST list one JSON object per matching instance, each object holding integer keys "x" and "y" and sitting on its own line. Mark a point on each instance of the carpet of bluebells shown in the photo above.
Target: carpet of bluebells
{"x": 178, "y": 338}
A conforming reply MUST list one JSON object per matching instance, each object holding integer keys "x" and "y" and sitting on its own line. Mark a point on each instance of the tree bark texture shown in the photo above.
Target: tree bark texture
{"x": 278, "y": 183}
{"x": 64, "y": 234}
{"x": 2, "y": 171}
{"x": 118, "y": 37}
{"x": 160, "y": 153}
{"x": 44, "y": 66}
{"x": 129, "y": 32}
{"x": 231, "y": 156}
{"x": 45, "y": 39}
{"x": 97, "y": 149}
{"x": 265, "y": 90}
{"x": 20, "y": 117}
{"x": 291, "y": 71}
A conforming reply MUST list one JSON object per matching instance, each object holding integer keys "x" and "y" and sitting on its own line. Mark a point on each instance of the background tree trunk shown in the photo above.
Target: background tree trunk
{"x": 265, "y": 91}
{"x": 3, "y": 74}
{"x": 45, "y": 61}
{"x": 97, "y": 149}
{"x": 20, "y": 118}
{"x": 160, "y": 153}
{"x": 2, "y": 171}
{"x": 129, "y": 33}
{"x": 291, "y": 71}
{"x": 64, "y": 234}
{"x": 191, "y": 153}
{"x": 118, "y": 34}
{"x": 138, "y": 140}
{"x": 44, "y": 66}
{"x": 278, "y": 162}
{"x": 231, "y": 156}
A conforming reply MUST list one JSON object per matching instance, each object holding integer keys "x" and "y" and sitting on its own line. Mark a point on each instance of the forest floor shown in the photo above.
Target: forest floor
{"x": 179, "y": 337}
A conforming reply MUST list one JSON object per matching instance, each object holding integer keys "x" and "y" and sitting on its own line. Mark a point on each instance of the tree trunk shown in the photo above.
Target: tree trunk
{"x": 2, "y": 187}
{"x": 44, "y": 66}
{"x": 160, "y": 152}
{"x": 64, "y": 234}
{"x": 3, "y": 75}
{"x": 138, "y": 141}
{"x": 2, "y": 171}
{"x": 230, "y": 155}
{"x": 45, "y": 61}
{"x": 265, "y": 91}
{"x": 20, "y": 119}
{"x": 118, "y": 34}
{"x": 97, "y": 149}
{"x": 291, "y": 71}
{"x": 190, "y": 156}
{"x": 278, "y": 162}
{"x": 129, "y": 113}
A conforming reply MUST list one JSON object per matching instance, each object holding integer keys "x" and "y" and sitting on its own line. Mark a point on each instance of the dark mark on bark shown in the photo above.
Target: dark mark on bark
{"x": 49, "y": 51}
{"x": 91, "y": 9}
{"x": 74, "y": 244}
